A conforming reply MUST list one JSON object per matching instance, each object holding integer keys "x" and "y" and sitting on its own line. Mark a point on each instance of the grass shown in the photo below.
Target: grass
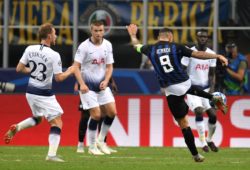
{"x": 131, "y": 158}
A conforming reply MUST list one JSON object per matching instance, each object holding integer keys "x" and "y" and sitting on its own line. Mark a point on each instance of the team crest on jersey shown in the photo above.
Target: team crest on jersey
{"x": 60, "y": 63}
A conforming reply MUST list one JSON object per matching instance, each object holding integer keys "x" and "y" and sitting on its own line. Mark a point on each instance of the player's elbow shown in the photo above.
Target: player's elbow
{"x": 60, "y": 77}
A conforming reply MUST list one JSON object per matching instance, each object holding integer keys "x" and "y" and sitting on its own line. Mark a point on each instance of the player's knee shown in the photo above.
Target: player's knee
{"x": 199, "y": 113}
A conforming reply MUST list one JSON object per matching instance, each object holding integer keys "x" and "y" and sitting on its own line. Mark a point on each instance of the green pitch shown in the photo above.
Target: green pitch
{"x": 131, "y": 158}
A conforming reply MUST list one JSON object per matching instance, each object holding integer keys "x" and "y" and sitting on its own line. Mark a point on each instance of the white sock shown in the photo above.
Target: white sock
{"x": 54, "y": 140}
{"x": 211, "y": 130}
{"x": 201, "y": 131}
{"x": 104, "y": 131}
{"x": 80, "y": 144}
{"x": 91, "y": 136}
{"x": 29, "y": 122}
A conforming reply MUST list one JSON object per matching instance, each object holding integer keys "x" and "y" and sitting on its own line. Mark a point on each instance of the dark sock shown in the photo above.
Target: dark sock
{"x": 189, "y": 140}
{"x": 199, "y": 92}
{"x": 83, "y": 126}
{"x": 93, "y": 124}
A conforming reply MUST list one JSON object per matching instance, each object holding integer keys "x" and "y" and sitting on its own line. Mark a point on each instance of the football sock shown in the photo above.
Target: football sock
{"x": 92, "y": 127}
{"x": 80, "y": 144}
{"x": 201, "y": 131}
{"x": 107, "y": 122}
{"x": 29, "y": 122}
{"x": 199, "y": 92}
{"x": 211, "y": 130}
{"x": 189, "y": 140}
{"x": 82, "y": 127}
{"x": 54, "y": 140}
{"x": 99, "y": 128}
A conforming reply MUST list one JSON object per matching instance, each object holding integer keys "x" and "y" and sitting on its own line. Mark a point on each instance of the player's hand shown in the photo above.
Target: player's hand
{"x": 84, "y": 88}
{"x": 223, "y": 60}
{"x": 132, "y": 29}
{"x": 103, "y": 85}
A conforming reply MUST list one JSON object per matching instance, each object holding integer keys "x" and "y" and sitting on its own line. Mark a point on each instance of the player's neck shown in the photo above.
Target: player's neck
{"x": 201, "y": 47}
{"x": 96, "y": 41}
{"x": 45, "y": 43}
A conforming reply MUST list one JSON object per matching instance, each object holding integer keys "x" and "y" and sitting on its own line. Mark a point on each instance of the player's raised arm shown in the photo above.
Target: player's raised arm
{"x": 205, "y": 55}
{"x": 132, "y": 30}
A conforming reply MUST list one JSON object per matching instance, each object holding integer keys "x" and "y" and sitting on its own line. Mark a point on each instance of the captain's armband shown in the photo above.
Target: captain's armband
{"x": 138, "y": 47}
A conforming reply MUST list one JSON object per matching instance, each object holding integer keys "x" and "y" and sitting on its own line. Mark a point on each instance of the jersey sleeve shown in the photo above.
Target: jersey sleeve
{"x": 24, "y": 59}
{"x": 187, "y": 52}
{"x": 213, "y": 62}
{"x": 110, "y": 57}
{"x": 145, "y": 49}
{"x": 80, "y": 53}
{"x": 57, "y": 64}
{"x": 185, "y": 61}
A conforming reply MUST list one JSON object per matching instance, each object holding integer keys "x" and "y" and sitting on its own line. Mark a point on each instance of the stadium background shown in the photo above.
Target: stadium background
{"x": 143, "y": 117}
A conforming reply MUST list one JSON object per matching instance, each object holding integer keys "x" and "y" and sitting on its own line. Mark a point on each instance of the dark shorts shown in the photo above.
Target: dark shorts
{"x": 177, "y": 106}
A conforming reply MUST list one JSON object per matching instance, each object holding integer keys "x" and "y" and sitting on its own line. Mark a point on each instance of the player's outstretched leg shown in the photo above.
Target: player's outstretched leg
{"x": 218, "y": 102}
{"x": 10, "y": 133}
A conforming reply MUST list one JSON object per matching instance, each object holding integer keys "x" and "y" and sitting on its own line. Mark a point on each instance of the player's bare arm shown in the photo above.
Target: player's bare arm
{"x": 22, "y": 68}
{"x": 83, "y": 87}
{"x": 132, "y": 30}
{"x": 205, "y": 55}
{"x": 108, "y": 74}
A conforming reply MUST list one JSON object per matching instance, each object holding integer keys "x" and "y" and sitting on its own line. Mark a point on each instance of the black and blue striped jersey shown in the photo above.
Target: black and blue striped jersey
{"x": 166, "y": 60}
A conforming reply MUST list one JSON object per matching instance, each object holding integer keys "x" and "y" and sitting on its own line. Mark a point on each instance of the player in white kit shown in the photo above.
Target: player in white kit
{"x": 202, "y": 75}
{"x": 95, "y": 59}
{"x": 43, "y": 64}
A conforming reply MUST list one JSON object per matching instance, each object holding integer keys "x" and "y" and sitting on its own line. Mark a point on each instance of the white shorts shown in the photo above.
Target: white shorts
{"x": 196, "y": 101}
{"x": 93, "y": 99}
{"x": 46, "y": 106}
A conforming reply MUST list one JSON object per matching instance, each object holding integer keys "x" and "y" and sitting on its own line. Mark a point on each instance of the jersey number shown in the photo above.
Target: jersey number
{"x": 42, "y": 70}
{"x": 165, "y": 62}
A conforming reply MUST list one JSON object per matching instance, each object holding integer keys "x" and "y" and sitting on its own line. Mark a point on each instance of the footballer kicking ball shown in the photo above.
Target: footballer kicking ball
{"x": 223, "y": 96}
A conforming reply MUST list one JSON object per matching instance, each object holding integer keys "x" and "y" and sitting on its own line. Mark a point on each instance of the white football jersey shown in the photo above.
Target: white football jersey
{"x": 43, "y": 62}
{"x": 93, "y": 60}
{"x": 198, "y": 69}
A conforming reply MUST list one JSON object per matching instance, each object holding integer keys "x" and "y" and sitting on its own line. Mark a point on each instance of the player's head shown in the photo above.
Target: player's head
{"x": 202, "y": 37}
{"x": 165, "y": 34}
{"x": 47, "y": 33}
{"x": 231, "y": 50}
{"x": 97, "y": 30}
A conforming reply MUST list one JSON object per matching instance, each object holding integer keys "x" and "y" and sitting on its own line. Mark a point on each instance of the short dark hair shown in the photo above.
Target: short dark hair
{"x": 165, "y": 30}
{"x": 44, "y": 30}
{"x": 97, "y": 22}
{"x": 231, "y": 45}
{"x": 201, "y": 30}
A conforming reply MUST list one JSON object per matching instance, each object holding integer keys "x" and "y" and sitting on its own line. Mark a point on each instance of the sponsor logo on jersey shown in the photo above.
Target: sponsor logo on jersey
{"x": 201, "y": 67}
{"x": 96, "y": 61}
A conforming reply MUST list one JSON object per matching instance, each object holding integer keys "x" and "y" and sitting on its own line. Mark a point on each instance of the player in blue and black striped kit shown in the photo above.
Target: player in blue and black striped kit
{"x": 165, "y": 57}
